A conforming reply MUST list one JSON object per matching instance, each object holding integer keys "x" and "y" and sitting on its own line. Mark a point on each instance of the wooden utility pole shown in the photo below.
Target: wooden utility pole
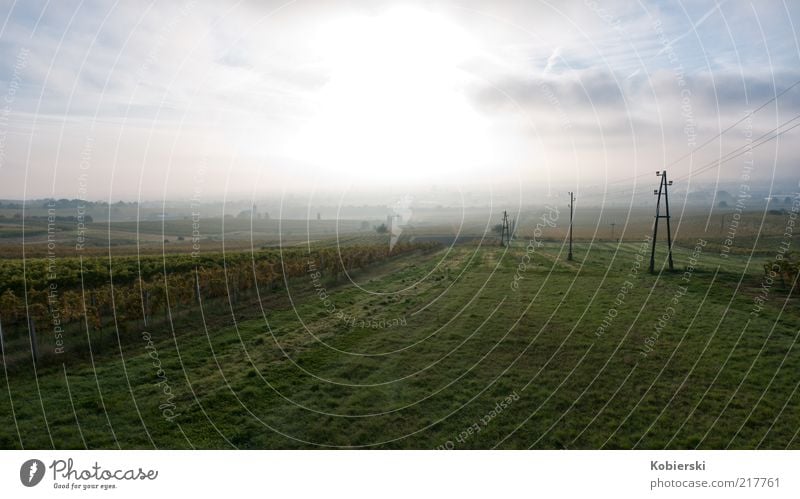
{"x": 197, "y": 286}
{"x": 571, "y": 203}
{"x": 505, "y": 231}
{"x": 34, "y": 341}
{"x": 662, "y": 191}
{"x": 146, "y": 306}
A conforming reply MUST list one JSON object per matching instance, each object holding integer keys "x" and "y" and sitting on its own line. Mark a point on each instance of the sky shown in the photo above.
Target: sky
{"x": 167, "y": 100}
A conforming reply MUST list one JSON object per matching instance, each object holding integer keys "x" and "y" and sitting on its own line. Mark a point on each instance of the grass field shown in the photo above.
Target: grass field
{"x": 461, "y": 348}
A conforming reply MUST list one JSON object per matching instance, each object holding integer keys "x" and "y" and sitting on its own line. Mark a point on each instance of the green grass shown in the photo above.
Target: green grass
{"x": 470, "y": 341}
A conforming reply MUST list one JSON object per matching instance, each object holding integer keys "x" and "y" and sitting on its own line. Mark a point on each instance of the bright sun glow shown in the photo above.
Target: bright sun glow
{"x": 393, "y": 108}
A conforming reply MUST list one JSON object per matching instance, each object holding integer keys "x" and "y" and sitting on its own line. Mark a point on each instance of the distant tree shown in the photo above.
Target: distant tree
{"x": 381, "y": 229}
{"x": 786, "y": 268}
{"x": 723, "y": 204}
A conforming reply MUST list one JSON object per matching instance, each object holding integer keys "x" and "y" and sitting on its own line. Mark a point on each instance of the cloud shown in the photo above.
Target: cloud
{"x": 245, "y": 78}
{"x": 552, "y": 60}
{"x": 573, "y": 90}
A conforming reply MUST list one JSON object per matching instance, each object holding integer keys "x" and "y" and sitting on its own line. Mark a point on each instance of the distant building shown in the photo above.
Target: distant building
{"x": 251, "y": 213}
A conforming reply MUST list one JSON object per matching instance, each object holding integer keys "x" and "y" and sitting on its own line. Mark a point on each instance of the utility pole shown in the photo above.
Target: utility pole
{"x": 145, "y": 306}
{"x": 197, "y": 286}
{"x": 612, "y": 224}
{"x": 662, "y": 191}
{"x": 571, "y": 203}
{"x": 34, "y": 341}
{"x": 505, "y": 232}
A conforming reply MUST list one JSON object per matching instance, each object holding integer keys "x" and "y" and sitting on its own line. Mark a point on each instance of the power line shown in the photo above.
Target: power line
{"x": 710, "y": 140}
{"x": 746, "y": 116}
{"x": 758, "y": 142}
{"x": 739, "y": 151}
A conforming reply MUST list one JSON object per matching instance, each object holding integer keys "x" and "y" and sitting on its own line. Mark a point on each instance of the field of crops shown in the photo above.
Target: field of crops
{"x": 53, "y": 296}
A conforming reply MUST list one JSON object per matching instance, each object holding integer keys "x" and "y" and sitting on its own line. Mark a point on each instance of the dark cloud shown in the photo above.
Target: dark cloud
{"x": 579, "y": 92}
{"x": 586, "y": 88}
